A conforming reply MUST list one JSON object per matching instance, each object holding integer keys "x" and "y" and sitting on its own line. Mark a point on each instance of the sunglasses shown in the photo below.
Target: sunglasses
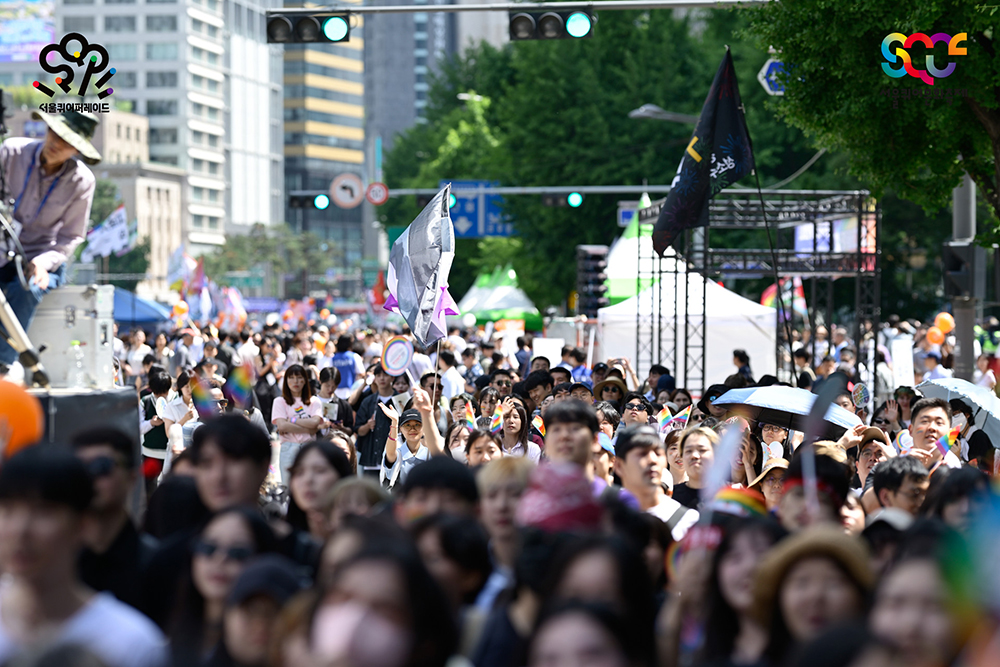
{"x": 503, "y": 383}
{"x": 208, "y": 549}
{"x": 101, "y": 466}
{"x": 880, "y": 420}
{"x": 636, "y": 407}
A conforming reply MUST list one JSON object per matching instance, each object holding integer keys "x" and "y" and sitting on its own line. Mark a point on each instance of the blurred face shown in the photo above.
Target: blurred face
{"x": 911, "y": 614}
{"x": 221, "y": 552}
{"x": 738, "y": 566}
{"x": 295, "y": 383}
{"x": 682, "y": 400}
{"x": 663, "y": 397}
{"x": 539, "y": 365}
{"x": 771, "y": 433}
{"x": 582, "y": 394}
{"x": 445, "y": 571}
{"x": 498, "y": 505}
{"x": 383, "y": 381}
{"x": 55, "y": 151}
{"x": 502, "y": 384}
{"x": 38, "y": 539}
{"x": 604, "y": 462}
{"x": 611, "y": 393}
{"x": 312, "y": 479}
{"x": 674, "y": 459}
{"x": 546, "y": 402}
{"x": 574, "y": 639}
{"x": 422, "y": 502}
{"x": 771, "y": 486}
{"x": 635, "y": 412}
{"x": 378, "y": 586}
{"x": 328, "y": 387}
{"x": 112, "y": 482}
{"x": 599, "y": 375}
{"x": 910, "y": 495}
{"x": 605, "y": 426}
{"x": 561, "y": 375}
{"x": 411, "y": 430}
{"x": 458, "y": 410}
{"x": 845, "y": 402}
{"x": 247, "y": 629}
{"x": 815, "y": 595}
{"x": 642, "y": 468}
{"x": 870, "y": 456}
{"x": 853, "y": 515}
{"x": 697, "y": 456}
{"x": 401, "y": 385}
{"x": 539, "y": 393}
{"x": 794, "y": 512}
{"x": 224, "y": 481}
{"x": 928, "y": 427}
{"x": 511, "y": 423}
{"x": 569, "y": 443}
{"x": 592, "y": 577}
{"x": 488, "y": 406}
{"x": 483, "y": 450}
{"x": 456, "y": 443}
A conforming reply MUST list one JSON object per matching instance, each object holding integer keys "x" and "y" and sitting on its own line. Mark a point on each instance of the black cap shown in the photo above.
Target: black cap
{"x": 273, "y": 575}
{"x": 599, "y": 366}
{"x": 712, "y": 392}
{"x": 410, "y": 415}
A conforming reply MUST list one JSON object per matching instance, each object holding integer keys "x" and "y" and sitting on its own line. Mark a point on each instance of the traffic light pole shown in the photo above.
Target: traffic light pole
{"x": 963, "y": 226}
{"x": 595, "y": 5}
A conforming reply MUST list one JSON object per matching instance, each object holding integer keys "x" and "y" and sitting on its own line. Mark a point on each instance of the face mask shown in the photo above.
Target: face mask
{"x": 458, "y": 453}
{"x": 958, "y": 421}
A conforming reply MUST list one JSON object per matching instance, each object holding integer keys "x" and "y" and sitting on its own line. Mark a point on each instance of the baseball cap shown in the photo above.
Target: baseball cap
{"x": 410, "y": 416}
{"x": 607, "y": 444}
{"x": 272, "y": 575}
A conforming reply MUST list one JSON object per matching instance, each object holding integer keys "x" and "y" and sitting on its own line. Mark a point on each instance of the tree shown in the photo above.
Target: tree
{"x": 835, "y": 91}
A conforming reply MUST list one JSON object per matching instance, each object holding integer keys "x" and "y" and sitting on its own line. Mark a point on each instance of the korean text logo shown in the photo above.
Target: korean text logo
{"x": 94, "y": 56}
{"x": 893, "y": 56}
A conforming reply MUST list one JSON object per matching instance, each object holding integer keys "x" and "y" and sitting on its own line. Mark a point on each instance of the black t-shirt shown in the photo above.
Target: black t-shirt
{"x": 687, "y": 496}
{"x": 119, "y": 570}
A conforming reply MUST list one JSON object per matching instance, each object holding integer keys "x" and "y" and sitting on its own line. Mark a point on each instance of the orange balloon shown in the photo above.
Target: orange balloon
{"x": 945, "y": 322}
{"x": 287, "y": 315}
{"x": 935, "y": 335}
{"x": 21, "y": 418}
{"x": 181, "y": 308}
{"x": 325, "y": 313}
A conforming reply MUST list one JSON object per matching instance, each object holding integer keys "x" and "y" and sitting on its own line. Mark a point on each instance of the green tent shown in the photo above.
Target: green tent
{"x": 623, "y": 261}
{"x": 496, "y": 296}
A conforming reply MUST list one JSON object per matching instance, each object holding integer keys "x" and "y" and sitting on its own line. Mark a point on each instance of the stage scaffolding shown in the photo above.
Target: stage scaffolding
{"x": 827, "y": 249}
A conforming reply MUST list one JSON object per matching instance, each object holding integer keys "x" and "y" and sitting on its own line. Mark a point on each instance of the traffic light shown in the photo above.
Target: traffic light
{"x": 424, "y": 200}
{"x": 320, "y": 202}
{"x": 571, "y": 199}
{"x": 591, "y": 275}
{"x": 964, "y": 266}
{"x": 573, "y": 24}
{"x": 321, "y": 27}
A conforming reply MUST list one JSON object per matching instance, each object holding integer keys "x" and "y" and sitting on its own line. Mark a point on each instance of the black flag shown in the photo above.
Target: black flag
{"x": 717, "y": 156}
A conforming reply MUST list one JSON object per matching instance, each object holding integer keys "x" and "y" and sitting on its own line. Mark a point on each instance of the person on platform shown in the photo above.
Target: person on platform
{"x": 53, "y": 190}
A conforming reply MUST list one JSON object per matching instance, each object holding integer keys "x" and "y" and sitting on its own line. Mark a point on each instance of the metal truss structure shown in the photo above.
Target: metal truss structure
{"x": 841, "y": 240}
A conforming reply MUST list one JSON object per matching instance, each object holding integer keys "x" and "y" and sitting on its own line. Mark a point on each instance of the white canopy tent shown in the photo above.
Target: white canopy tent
{"x": 733, "y": 322}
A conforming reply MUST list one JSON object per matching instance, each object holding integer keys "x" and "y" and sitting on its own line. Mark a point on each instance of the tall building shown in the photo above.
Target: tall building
{"x": 324, "y": 114}
{"x": 210, "y": 85}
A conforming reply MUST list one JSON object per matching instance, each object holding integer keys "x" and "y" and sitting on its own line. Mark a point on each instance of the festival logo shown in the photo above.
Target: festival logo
{"x": 901, "y": 55}
{"x": 65, "y": 63}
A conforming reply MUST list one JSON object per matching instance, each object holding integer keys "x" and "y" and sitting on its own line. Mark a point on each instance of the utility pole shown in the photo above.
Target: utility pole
{"x": 963, "y": 226}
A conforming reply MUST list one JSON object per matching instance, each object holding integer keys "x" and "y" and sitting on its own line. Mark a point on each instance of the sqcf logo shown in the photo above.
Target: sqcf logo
{"x": 894, "y": 56}
{"x": 94, "y": 56}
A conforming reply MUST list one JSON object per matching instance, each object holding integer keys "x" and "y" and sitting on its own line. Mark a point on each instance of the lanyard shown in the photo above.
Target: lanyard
{"x": 27, "y": 178}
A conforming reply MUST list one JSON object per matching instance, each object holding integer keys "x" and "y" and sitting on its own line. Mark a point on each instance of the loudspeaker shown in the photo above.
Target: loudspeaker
{"x": 68, "y": 412}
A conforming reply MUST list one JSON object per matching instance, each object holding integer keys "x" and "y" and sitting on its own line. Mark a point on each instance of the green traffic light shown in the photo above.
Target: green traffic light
{"x": 322, "y": 202}
{"x": 574, "y": 199}
{"x": 452, "y": 200}
{"x": 578, "y": 24}
{"x": 336, "y": 28}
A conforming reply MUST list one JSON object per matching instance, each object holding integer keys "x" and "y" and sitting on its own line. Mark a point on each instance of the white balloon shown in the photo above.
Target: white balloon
{"x": 469, "y": 320}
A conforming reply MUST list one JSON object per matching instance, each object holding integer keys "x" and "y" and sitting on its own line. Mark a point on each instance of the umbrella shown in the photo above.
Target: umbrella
{"x": 136, "y": 310}
{"x": 984, "y": 403}
{"x": 786, "y": 407}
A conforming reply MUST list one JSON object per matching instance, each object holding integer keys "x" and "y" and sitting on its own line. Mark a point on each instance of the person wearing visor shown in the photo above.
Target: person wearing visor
{"x": 53, "y": 189}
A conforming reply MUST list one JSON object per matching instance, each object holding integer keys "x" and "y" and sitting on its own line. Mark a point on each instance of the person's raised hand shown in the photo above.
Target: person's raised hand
{"x": 852, "y": 437}
{"x": 422, "y": 401}
{"x": 389, "y": 411}
{"x": 507, "y": 405}
{"x": 891, "y": 411}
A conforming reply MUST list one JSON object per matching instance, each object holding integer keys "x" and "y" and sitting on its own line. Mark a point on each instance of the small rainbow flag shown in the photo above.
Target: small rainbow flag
{"x": 539, "y": 424}
{"x": 663, "y": 418}
{"x": 679, "y": 420}
{"x": 203, "y": 401}
{"x": 945, "y": 442}
{"x": 496, "y": 423}
{"x": 470, "y": 416}
{"x": 239, "y": 385}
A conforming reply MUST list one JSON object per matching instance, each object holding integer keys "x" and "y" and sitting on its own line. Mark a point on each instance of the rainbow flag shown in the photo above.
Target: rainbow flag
{"x": 663, "y": 418}
{"x": 470, "y": 416}
{"x": 539, "y": 424}
{"x": 793, "y": 297}
{"x": 496, "y": 422}
{"x": 203, "y": 401}
{"x": 239, "y": 385}
{"x": 945, "y": 442}
{"x": 679, "y": 420}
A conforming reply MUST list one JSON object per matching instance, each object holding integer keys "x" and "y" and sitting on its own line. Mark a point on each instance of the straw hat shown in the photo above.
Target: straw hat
{"x": 76, "y": 128}
{"x": 827, "y": 541}
{"x": 599, "y": 387}
{"x": 772, "y": 464}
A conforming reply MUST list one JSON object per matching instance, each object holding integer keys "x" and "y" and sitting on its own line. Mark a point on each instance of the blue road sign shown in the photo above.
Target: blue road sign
{"x": 625, "y": 216}
{"x": 476, "y": 213}
{"x": 768, "y": 77}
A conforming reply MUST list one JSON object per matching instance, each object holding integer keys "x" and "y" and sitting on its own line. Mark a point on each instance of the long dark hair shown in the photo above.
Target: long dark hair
{"x": 337, "y": 459}
{"x": 187, "y": 627}
{"x": 286, "y": 393}
{"x": 522, "y": 435}
{"x": 722, "y": 624}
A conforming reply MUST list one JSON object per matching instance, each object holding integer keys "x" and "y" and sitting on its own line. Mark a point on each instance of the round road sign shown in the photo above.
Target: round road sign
{"x": 377, "y": 193}
{"x": 347, "y": 191}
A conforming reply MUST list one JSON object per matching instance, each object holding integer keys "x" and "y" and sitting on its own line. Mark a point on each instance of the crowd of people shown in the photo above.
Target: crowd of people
{"x": 490, "y": 507}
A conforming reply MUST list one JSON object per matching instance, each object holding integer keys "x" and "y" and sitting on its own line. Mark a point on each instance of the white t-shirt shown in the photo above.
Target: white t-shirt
{"x": 117, "y": 634}
{"x": 452, "y": 383}
{"x": 666, "y": 509}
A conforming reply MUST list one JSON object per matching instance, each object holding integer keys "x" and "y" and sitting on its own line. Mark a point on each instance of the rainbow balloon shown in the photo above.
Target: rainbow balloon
{"x": 496, "y": 422}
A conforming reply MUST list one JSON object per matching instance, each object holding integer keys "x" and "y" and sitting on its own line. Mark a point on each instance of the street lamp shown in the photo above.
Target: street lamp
{"x": 656, "y": 113}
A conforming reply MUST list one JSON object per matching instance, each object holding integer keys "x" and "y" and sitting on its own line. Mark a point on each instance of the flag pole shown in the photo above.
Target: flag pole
{"x": 770, "y": 244}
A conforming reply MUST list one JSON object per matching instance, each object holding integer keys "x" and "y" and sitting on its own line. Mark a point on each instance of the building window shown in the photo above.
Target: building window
{"x": 120, "y": 24}
{"x": 213, "y": 222}
{"x": 161, "y": 51}
{"x": 213, "y": 140}
{"x": 78, "y": 23}
{"x": 138, "y": 137}
{"x": 118, "y": 131}
{"x": 198, "y": 220}
{"x": 213, "y": 195}
{"x": 197, "y": 193}
{"x": 161, "y": 108}
{"x": 163, "y": 135}
{"x": 161, "y": 23}
{"x": 119, "y": 2}
{"x": 238, "y": 19}
{"x": 160, "y": 2}
{"x": 124, "y": 80}
{"x": 128, "y": 131}
{"x": 78, "y": 2}
{"x": 161, "y": 79}
{"x": 213, "y": 168}
{"x": 166, "y": 159}
{"x": 123, "y": 52}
